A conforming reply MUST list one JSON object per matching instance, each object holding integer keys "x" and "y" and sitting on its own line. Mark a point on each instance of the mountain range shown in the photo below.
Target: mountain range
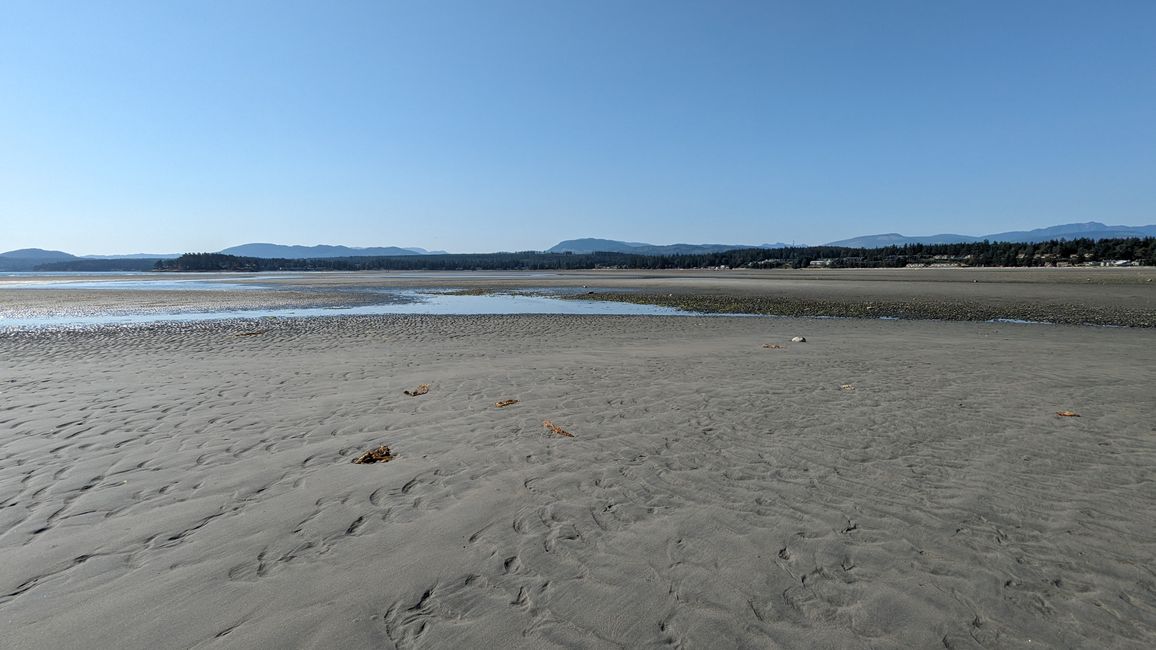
{"x": 27, "y": 259}
{"x": 1089, "y": 230}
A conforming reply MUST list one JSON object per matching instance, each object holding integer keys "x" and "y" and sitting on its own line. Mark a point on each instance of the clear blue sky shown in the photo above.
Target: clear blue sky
{"x": 170, "y": 126}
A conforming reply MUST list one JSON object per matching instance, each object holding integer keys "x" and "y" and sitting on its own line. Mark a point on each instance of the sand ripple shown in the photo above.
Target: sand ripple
{"x": 182, "y": 484}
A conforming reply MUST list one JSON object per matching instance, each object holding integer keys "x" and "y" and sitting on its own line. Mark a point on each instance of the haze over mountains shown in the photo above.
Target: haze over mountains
{"x": 28, "y": 259}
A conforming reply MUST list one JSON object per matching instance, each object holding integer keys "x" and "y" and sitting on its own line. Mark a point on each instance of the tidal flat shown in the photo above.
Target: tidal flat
{"x": 884, "y": 484}
{"x": 1097, "y": 296}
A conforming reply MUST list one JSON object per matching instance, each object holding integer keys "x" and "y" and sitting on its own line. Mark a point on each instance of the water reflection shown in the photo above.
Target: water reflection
{"x": 400, "y": 302}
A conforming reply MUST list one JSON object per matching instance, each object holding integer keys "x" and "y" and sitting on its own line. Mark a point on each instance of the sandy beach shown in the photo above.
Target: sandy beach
{"x": 886, "y": 484}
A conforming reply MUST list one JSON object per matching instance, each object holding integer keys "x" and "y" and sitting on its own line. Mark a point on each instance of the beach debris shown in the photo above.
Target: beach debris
{"x": 1067, "y": 414}
{"x": 847, "y": 387}
{"x": 379, "y": 455}
{"x": 251, "y": 333}
{"x": 420, "y": 390}
{"x": 798, "y": 339}
{"x": 773, "y": 346}
{"x": 506, "y": 402}
{"x": 555, "y": 429}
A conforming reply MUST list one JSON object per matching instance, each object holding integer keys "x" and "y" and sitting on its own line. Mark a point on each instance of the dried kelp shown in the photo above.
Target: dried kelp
{"x": 420, "y": 390}
{"x": 379, "y": 455}
{"x": 556, "y": 430}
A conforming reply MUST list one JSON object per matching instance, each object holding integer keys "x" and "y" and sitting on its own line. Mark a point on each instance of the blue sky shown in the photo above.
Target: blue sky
{"x": 500, "y": 125}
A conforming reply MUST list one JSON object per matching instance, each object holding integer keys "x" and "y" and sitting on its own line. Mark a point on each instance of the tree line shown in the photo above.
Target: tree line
{"x": 1051, "y": 253}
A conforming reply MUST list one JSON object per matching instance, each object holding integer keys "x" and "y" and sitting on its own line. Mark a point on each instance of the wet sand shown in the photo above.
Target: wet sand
{"x": 1101, "y": 296}
{"x": 887, "y": 484}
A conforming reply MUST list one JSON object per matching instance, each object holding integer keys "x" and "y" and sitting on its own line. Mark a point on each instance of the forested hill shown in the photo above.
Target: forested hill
{"x": 1054, "y": 253}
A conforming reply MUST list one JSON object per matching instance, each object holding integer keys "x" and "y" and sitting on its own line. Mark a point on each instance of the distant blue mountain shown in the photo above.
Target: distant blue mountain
{"x": 38, "y": 254}
{"x": 313, "y": 252}
{"x": 26, "y": 259}
{"x": 895, "y": 239}
{"x": 1090, "y": 230}
{"x": 591, "y": 245}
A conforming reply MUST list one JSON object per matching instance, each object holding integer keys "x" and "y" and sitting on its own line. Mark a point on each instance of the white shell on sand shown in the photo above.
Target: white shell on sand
{"x": 798, "y": 339}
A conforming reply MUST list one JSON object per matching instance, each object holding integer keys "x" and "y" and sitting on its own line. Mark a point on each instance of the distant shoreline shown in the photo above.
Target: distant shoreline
{"x": 1086, "y": 251}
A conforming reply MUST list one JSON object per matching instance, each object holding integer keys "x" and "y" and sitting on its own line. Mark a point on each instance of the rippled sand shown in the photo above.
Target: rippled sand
{"x": 884, "y": 485}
